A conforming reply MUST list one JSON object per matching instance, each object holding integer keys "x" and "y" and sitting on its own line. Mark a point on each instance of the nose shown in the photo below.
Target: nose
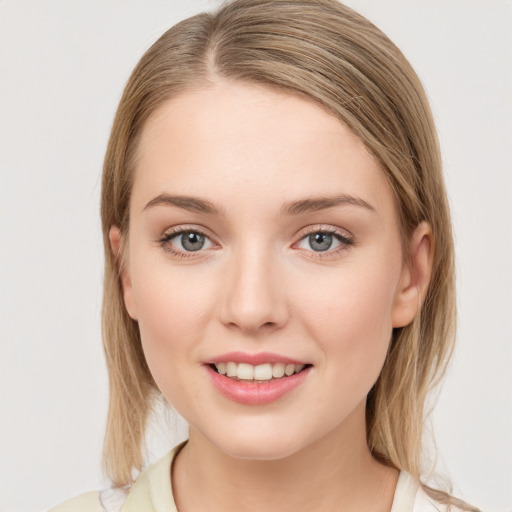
{"x": 253, "y": 297}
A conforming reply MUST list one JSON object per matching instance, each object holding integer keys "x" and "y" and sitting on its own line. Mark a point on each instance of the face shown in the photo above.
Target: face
{"x": 263, "y": 241}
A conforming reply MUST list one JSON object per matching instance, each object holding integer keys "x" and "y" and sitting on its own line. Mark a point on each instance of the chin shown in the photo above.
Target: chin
{"x": 267, "y": 451}
{"x": 260, "y": 443}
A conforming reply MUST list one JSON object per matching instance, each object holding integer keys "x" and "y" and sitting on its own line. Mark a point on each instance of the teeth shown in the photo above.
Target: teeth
{"x": 263, "y": 372}
{"x": 290, "y": 368}
{"x": 267, "y": 371}
{"x": 231, "y": 369}
{"x": 245, "y": 371}
{"x": 278, "y": 370}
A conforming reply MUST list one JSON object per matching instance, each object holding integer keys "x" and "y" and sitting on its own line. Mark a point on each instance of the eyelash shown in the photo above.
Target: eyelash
{"x": 345, "y": 242}
{"x": 164, "y": 241}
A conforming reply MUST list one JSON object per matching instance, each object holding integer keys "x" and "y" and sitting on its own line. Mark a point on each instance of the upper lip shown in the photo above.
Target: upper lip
{"x": 254, "y": 359}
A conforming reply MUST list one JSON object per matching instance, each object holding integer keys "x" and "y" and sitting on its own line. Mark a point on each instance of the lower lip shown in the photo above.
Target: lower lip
{"x": 256, "y": 392}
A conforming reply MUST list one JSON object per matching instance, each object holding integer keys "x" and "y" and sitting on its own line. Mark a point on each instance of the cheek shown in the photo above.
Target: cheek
{"x": 349, "y": 314}
{"x": 172, "y": 311}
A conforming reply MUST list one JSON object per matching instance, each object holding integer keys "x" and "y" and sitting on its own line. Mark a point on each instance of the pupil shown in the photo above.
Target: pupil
{"x": 192, "y": 241}
{"x": 320, "y": 241}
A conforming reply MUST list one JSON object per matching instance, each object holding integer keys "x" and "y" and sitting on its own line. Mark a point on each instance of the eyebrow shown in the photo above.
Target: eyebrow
{"x": 196, "y": 205}
{"x": 192, "y": 204}
{"x": 322, "y": 203}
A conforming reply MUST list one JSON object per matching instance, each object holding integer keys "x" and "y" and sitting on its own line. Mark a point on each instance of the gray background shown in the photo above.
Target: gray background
{"x": 62, "y": 68}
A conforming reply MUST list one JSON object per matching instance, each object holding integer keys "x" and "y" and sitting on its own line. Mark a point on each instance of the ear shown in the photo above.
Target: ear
{"x": 115, "y": 238}
{"x": 415, "y": 277}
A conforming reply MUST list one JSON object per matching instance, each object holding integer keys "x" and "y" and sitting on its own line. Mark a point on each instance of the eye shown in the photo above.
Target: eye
{"x": 191, "y": 241}
{"x": 185, "y": 241}
{"x": 323, "y": 240}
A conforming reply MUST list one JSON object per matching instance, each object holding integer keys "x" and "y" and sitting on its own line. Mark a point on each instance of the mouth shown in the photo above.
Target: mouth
{"x": 257, "y": 379}
{"x": 257, "y": 374}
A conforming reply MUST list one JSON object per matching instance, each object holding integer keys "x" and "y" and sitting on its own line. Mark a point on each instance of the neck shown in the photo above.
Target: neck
{"x": 336, "y": 472}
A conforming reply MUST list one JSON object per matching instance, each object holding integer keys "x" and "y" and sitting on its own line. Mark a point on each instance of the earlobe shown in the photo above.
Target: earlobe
{"x": 115, "y": 238}
{"x": 415, "y": 277}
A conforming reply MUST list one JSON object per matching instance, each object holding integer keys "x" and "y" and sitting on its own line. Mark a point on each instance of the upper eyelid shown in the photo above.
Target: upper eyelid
{"x": 315, "y": 228}
{"x": 177, "y": 230}
{"x": 325, "y": 229}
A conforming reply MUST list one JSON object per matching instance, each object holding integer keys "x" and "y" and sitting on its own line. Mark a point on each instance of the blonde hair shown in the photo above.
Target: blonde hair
{"x": 324, "y": 51}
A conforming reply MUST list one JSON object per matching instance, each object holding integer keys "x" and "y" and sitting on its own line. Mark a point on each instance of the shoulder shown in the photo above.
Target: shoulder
{"x": 411, "y": 496}
{"x": 108, "y": 500}
{"x": 87, "y": 502}
{"x": 151, "y": 492}
{"x": 425, "y": 503}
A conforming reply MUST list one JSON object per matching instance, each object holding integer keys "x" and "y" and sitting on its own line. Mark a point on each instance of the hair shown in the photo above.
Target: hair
{"x": 325, "y": 52}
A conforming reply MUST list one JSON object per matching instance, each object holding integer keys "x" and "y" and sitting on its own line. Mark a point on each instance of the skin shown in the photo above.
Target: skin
{"x": 258, "y": 286}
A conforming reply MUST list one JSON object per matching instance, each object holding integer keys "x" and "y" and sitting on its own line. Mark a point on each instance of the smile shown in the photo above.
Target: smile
{"x": 267, "y": 372}
{"x": 256, "y": 379}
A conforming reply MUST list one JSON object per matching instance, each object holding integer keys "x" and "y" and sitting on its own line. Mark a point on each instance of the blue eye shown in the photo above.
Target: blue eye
{"x": 192, "y": 241}
{"x": 324, "y": 241}
{"x": 320, "y": 241}
{"x": 186, "y": 241}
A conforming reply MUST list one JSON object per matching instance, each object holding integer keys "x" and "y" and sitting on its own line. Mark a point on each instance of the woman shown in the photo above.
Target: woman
{"x": 279, "y": 266}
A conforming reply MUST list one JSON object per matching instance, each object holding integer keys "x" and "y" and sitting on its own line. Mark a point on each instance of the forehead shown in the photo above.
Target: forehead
{"x": 234, "y": 140}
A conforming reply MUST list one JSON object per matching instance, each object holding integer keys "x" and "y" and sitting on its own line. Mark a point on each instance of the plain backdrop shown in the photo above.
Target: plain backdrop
{"x": 63, "y": 65}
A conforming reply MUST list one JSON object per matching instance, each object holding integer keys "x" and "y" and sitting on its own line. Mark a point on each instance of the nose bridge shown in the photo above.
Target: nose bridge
{"x": 253, "y": 297}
